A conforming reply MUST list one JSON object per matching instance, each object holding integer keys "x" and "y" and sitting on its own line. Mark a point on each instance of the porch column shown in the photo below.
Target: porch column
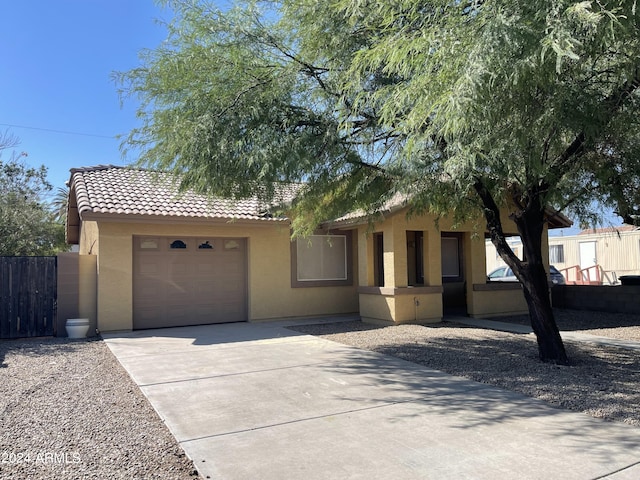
{"x": 395, "y": 254}
{"x": 366, "y": 257}
{"x": 475, "y": 259}
{"x": 432, "y": 258}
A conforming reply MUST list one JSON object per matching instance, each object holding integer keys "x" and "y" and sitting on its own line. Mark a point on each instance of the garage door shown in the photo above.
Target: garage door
{"x": 180, "y": 281}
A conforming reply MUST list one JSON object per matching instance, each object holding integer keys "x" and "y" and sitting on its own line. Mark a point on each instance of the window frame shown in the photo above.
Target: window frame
{"x": 460, "y": 259}
{"x": 558, "y": 247}
{"x": 348, "y": 281}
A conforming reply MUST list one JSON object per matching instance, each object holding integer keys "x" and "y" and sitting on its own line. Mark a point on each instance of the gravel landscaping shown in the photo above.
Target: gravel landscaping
{"x": 601, "y": 381}
{"x": 70, "y": 411}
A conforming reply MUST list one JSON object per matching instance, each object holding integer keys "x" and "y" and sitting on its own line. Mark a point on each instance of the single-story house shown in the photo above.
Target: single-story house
{"x": 150, "y": 256}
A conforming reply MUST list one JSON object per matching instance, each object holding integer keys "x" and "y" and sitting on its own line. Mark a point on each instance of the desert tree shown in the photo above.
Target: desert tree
{"x": 27, "y": 223}
{"x": 464, "y": 108}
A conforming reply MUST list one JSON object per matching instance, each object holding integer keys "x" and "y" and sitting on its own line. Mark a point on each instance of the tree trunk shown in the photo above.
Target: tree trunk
{"x": 536, "y": 293}
{"x": 530, "y": 221}
{"x": 532, "y": 275}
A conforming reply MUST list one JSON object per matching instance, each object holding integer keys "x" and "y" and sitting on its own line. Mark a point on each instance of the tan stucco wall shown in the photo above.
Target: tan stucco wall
{"x": 401, "y": 308}
{"x": 68, "y": 279}
{"x": 77, "y": 293}
{"x": 269, "y": 272}
{"x": 89, "y": 238}
{"x": 497, "y": 303}
{"x": 88, "y": 290}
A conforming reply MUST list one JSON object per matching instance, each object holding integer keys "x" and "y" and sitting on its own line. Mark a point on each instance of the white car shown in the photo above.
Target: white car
{"x": 505, "y": 274}
{"x": 502, "y": 274}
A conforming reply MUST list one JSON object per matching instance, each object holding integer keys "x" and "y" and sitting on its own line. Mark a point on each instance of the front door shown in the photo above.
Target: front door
{"x": 588, "y": 259}
{"x": 454, "y": 300}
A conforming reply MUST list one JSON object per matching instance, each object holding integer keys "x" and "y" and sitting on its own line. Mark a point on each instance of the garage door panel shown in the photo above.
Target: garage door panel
{"x": 145, "y": 316}
{"x": 205, "y": 289}
{"x": 149, "y": 269}
{"x": 204, "y": 266}
{"x": 189, "y": 286}
{"x": 179, "y": 267}
{"x": 150, "y": 290}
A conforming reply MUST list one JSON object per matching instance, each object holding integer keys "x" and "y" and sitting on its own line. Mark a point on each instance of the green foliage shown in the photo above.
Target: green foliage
{"x": 27, "y": 224}
{"x": 364, "y": 100}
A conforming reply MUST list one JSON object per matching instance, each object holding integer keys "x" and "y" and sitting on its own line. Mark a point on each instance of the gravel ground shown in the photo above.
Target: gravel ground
{"x": 68, "y": 410}
{"x": 601, "y": 381}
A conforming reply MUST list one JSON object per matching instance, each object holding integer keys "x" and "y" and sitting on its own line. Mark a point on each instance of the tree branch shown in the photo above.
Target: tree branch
{"x": 494, "y": 225}
{"x": 615, "y": 102}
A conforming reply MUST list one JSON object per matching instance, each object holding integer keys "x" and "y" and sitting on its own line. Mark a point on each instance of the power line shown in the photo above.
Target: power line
{"x": 65, "y": 132}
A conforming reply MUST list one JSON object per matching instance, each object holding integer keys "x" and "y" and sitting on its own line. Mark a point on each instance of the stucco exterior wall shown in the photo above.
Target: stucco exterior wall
{"x": 68, "y": 285}
{"x": 270, "y": 294}
{"x": 77, "y": 292}
{"x": 400, "y": 305}
{"x": 495, "y": 300}
{"x": 89, "y": 238}
{"x": 88, "y": 290}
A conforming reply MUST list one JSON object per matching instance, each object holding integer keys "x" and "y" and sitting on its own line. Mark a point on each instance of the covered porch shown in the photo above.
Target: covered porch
{"x": 411, "y": 271}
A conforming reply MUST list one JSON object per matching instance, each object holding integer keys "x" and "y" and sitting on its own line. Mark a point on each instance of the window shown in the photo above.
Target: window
{"x": 321, "y": 260}
{"x": 415, "y": 258}
{"x": 231, "y": 245}
{"x": 556, "y": 253}
{"x": 178, "y": 244}
{"x": 322, "y": 257}
{"x": 148, "y": 244}
{"x": 451, "y": 257}
{"x": 378, "y": 255}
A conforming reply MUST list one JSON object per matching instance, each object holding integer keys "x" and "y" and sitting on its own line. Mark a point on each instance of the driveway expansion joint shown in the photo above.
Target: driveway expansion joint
{"x": 301, "y": 420}
{"x": 223, "y": 375}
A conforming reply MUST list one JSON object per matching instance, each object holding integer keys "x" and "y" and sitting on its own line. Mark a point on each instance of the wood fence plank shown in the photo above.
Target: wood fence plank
{"x": 28, "y": 296}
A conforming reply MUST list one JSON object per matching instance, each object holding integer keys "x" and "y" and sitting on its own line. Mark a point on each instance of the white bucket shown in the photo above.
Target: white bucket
{"x": 77, "y": 327}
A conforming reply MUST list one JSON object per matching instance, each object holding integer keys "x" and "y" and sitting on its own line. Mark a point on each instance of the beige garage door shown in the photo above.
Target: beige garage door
{"x": 181, "y": 281}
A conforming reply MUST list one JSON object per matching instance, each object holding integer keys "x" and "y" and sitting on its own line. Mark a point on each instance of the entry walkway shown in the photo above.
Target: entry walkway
{"x": 250, "y": 401}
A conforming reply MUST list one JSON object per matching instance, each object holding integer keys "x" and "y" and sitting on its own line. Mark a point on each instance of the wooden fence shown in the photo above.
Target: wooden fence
{"x": 28, "y": 292}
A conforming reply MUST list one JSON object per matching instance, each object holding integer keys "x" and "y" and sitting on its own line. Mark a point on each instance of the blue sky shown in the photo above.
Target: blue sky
{"x": 57, "y": 58}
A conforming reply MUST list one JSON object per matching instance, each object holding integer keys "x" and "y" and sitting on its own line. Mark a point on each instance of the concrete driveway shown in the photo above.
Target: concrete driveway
{"x": 259, "y": 401}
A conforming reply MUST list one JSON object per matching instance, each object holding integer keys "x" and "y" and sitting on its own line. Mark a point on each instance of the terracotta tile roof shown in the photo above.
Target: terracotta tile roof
{"x": 401, "y": 200}
{"x": 113, "y": 190}
{"x": 395, "y": 203}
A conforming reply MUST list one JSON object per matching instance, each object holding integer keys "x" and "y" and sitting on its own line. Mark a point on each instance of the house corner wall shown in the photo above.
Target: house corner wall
{"x": 68, "y": 285}
{"x": 114, "y": 278}
{"x": 88, "y": 290}
{"x": 76, "y": 290}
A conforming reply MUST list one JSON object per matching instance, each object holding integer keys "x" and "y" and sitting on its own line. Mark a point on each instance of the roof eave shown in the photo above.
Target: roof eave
{"x": 89, "y": 215}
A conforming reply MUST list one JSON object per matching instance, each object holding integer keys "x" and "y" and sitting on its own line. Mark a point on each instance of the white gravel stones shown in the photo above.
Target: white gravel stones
{"x": 68, "y": 410}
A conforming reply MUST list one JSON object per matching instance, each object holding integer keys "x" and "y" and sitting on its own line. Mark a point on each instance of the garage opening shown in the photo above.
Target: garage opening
{"x": 180, "y": 281}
